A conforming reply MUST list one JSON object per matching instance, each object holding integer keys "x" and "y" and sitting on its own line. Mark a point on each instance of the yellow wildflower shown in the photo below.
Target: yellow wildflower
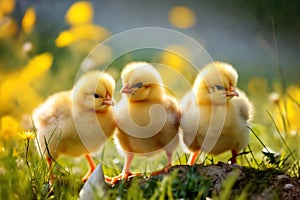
{"x": 79, "y": 16}
{"x": 89, "y": 32}
{"x": 65, "y": 38}
{"x": 28, "y": 20}
{"x": 182, "y": 17}
{"x": 17, "y": 93}
{"x": 9, "y": 127}
{"x": 15, "y": 153}
{"x": 175, "y": 57}
{"x": 79, "y": 13}
{"x": 28, "y": 134}
{"x": 293, "y": 109}
{"x": 36, "y": 67}
{"x": 6, "y": 7}
{"x": 287, "y": 112}
{"x": 8, "y": 27}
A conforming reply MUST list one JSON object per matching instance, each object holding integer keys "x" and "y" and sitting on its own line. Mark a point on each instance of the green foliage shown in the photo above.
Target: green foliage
{"x": 193, "y": 186}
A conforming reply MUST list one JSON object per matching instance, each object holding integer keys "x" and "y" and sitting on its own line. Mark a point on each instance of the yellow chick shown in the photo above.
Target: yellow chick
{"x": 215, "y": 115}
{"x": 147, "y": 118}
{"x": 78, "y": 121}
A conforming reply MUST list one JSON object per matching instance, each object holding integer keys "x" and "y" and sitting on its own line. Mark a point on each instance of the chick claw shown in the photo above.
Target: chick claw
{"x": 165, "y": 169}
{"x": 124, "y": 176}
{"x": 86, "y": 177}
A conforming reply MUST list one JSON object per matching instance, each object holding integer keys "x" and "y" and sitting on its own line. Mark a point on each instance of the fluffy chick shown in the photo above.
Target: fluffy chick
{"x": 147, "y": 118}
{"x": 215, "y": 115}
{"x": 78, "y": 121}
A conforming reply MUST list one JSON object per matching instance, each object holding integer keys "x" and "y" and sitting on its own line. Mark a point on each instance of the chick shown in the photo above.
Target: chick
{"x": 147, "y": 118}
{"x": 215, "y": 115}
{"x": 78, "y": 121}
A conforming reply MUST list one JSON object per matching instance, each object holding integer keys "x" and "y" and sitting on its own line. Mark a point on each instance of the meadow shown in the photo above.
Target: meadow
{"x": 35, "y": 73}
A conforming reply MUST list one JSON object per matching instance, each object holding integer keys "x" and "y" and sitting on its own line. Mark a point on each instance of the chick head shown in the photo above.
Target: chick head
{"x": 216, "y": 84}
{"x": 94, "y": 91}
{"x": 141, "y": 82}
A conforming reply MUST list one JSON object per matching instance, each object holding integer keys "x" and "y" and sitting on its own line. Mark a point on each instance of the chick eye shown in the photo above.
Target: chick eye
{"x": 139, "y": 85}
{"x": 96, "y": 95}
{"x": 220, "y": 87}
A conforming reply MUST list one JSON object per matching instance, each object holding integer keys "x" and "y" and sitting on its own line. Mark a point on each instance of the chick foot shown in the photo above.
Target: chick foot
{"x": 124, "y": 176}
{"x": 165, "y": 169}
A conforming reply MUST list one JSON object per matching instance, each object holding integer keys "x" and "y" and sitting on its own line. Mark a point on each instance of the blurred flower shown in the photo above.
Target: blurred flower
{"x": 79, "y": 13}
{"x": 65, "y": 38}
{"x": 28, "y": 135}
{"x": 27, "y": 47}
{"x": 9, "y": 127}
{"x": 6, "y": 7}
{"x": 8, "y": 26}
{"x": 274, "y": 97}
{"x": 15, "y": 153}
{"x": 175, "y": 56}
{"x": 36, "y": 67}
{"x": 17, "y": 92}
{"x": 182, "y": 17}
{"x": 79, "y": 16}
{"x": 28, "y": 20}
{"x": 89, "y": 32}
{"x": 293, "y": 110}
{"x": 293, "y": 132}
{"x": 287, "y": 112}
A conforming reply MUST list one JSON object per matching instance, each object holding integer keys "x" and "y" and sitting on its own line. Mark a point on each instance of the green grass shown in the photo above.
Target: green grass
{"x": 25, "y": 175}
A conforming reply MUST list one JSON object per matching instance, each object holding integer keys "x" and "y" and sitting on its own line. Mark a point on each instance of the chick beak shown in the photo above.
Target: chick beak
{"x": 232, "y": 92}
{"x": 108, "y": 100}
{"x": 126, "y": 89}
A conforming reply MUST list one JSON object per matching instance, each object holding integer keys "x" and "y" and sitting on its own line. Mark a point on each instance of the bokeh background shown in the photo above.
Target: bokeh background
{"x": 43, "y": 43}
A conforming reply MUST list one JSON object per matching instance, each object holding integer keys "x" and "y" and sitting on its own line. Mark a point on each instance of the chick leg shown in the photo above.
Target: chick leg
{"x": 91, "y": 169}
{"x": 126, "y": 170}
{"x": 166, "y": 168}
{"x": 49, "y": 162}
{"x": 169, "y": 156}
{"x": 233, "y": 159}
{"x": 193, "y": 158}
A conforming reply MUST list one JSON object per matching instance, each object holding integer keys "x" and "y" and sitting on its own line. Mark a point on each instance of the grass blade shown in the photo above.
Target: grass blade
{"x": 277, "y": 130}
